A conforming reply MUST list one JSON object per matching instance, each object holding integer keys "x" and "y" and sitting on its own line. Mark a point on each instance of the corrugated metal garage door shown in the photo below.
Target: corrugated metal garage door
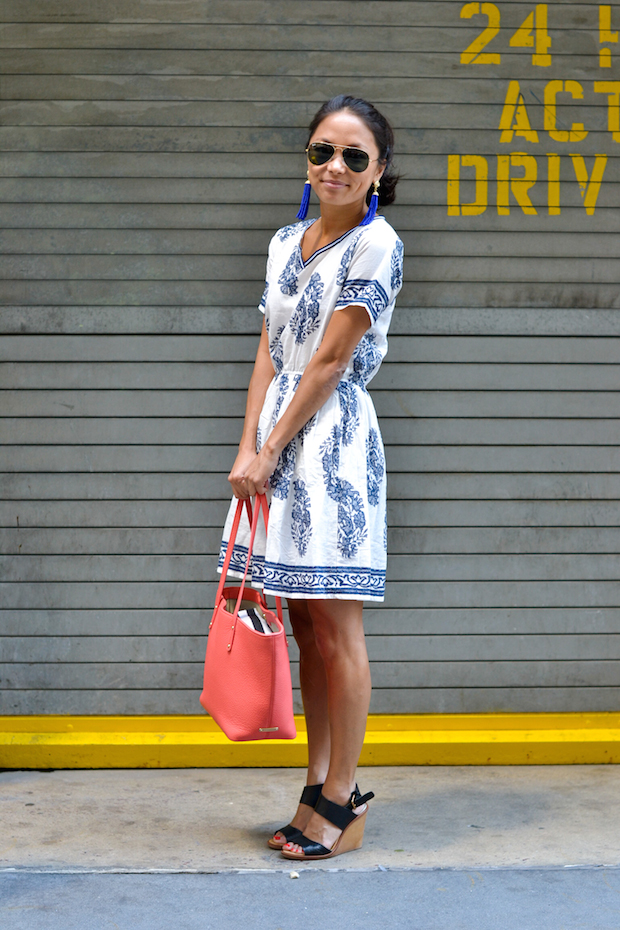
{"x": 150, "y": 150}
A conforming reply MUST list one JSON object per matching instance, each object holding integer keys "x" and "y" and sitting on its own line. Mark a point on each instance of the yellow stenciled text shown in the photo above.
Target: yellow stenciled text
{"x": 517, "y": 174}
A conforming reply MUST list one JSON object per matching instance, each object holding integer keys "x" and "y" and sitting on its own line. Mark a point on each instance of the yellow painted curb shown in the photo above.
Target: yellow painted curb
{"x": 65, "y": 742}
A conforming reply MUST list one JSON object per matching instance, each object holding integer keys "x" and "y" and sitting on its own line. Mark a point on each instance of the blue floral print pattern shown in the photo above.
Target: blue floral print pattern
{"x": 305, "y": 319}
{"x": 276, "y": 351}
{"x": 330, "y": 455}
{"x": 287, "y": 231}
{"x": 351, "y": 520}
{"x": 366, "y": 359}
{"x": 375, "y": 466}
{"x": 301, "y": 526}
{"x": 352, "y": 529}
{"x": 280, "y": 480}
{"x": 282, "y": 389}
{"x": 396, "y": 265}
{"x": 369, "y": 294}
{"x": 345, "y": 261}
{"x": 288, "y": 278}
{"x": 347, "y": 396}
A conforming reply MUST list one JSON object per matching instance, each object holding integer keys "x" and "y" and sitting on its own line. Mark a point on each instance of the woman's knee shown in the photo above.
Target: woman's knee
{"x": 337, "y": 630}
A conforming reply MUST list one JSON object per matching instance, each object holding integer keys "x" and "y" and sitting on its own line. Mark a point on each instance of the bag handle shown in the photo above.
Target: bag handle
{"x": 231, "y": 543}
{"x": 261, "y": 505}
{"x": 262, "y": 499}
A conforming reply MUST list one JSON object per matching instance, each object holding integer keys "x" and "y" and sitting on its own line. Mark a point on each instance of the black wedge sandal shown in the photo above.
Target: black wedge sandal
{"x": 345, "y": 818}
{"x": 310, "y": 795}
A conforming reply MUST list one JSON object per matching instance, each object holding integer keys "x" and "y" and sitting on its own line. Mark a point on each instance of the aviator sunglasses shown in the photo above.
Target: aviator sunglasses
{"x": 319, "y": 153}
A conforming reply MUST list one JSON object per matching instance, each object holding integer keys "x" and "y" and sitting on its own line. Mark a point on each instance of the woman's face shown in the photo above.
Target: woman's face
{"x": 335, "y": 183}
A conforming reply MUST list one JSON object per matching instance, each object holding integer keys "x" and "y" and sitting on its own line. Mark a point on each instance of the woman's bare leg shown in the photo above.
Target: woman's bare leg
{"x": 339, "y": 637}
{"x": 314, "y": 696}
{"x": 313, "y": 683}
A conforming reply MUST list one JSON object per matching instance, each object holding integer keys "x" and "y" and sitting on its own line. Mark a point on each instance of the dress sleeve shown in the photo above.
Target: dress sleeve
{"x": 372, "y": 274}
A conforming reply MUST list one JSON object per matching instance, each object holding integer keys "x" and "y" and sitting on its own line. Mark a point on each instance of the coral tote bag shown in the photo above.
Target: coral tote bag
{"x": 247, "y": 678}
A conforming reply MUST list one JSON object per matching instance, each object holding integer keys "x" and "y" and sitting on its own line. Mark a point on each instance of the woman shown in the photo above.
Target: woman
{"x": 311, "y": 437}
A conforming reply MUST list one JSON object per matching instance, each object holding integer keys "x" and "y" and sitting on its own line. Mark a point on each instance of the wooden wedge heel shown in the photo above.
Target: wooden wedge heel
{"x": 350, "y": 818}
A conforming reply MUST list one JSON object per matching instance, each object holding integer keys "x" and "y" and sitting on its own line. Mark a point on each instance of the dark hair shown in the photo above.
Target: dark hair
{"x": 381, "y": 130}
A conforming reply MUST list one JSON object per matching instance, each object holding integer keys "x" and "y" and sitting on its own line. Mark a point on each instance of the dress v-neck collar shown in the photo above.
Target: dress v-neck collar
{"x": 324, "y": 248}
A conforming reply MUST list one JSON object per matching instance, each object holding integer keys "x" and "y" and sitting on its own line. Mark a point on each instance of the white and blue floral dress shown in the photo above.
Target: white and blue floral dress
{"x": 327, "y": 522}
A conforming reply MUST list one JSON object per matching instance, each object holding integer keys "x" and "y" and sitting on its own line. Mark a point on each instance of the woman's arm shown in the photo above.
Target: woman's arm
{"x": 262, "y": 376}
{"x": 318, "y": 382}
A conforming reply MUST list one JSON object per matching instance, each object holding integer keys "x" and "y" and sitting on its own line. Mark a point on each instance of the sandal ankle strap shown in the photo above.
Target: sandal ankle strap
{"x": 310, "y": 795}
{"x": 341, "y": 815}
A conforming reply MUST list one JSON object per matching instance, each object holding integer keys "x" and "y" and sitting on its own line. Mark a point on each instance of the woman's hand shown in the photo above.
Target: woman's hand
{"x": 251, "y": 472}
{"x": 261, "y": 470}
{"x": 238, "y": 473}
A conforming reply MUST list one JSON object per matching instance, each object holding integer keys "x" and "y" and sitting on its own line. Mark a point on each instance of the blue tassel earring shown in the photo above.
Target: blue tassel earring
{"x": 372, "y": 206}
{"x": 302, "y": 213}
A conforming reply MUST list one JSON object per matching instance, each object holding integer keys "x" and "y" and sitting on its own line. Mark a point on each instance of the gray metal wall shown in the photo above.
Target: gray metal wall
{"x": 150, "y": 149}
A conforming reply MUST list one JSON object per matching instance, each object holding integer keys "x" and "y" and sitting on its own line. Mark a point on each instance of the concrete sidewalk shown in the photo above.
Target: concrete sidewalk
{"x": 521, "y": 848}
{"x": 212, "y": 820}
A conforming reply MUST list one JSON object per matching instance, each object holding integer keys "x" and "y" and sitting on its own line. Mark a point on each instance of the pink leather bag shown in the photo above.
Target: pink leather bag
{"x": 247, "y": 678}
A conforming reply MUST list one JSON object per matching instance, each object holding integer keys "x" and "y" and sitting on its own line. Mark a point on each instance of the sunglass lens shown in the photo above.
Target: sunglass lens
{"x": 319, "y": 153}
{"x": 355, "y": 159}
